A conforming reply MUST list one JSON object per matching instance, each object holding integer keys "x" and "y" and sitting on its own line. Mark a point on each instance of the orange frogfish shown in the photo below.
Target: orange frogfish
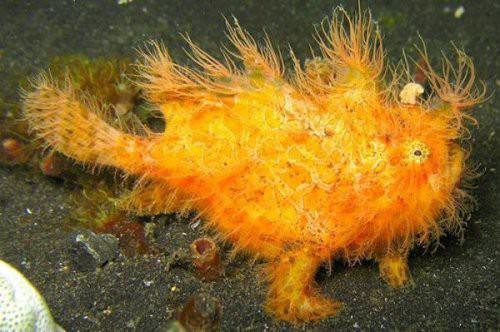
{"x": 343, "y": 158}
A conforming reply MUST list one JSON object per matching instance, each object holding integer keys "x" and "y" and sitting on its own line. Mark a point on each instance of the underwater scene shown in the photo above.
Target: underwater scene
{"x": 249, "y": 165}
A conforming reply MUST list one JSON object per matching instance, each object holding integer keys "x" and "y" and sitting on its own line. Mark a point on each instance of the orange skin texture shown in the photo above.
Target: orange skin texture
{"x": 325, "y": 164}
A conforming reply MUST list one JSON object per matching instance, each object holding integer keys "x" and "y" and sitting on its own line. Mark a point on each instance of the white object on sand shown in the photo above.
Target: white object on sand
{"x": 459, "y": 12}
{"x": 22, "y": 308}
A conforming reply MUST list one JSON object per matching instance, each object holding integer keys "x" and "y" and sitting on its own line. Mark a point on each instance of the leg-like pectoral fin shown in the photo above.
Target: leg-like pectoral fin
{"x": 394, "y": 269}
{"x": 292, "y": 295}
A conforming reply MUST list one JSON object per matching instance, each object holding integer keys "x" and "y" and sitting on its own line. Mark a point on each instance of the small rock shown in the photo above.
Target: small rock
{"x": 90, "y": 251}
{"x": 201, "y": 312}
{"x": 13, "y": 151}
{"x": 459, "y": 12}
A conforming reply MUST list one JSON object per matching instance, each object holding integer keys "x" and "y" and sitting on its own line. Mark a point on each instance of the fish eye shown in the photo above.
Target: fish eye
{"x": 417, "y": 152}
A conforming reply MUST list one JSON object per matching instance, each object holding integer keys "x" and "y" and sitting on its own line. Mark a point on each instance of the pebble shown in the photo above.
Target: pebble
{"x": 201, "y": 312}
{"x": 459, "y": 12}
{"x": 90, "y": 251}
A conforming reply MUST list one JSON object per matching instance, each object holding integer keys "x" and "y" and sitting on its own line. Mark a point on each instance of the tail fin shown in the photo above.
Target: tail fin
{"x": 67, "y": 124}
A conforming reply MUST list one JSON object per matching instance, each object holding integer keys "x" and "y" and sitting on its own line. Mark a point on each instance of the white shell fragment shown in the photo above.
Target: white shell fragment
{"x": 459, "y": 12}
{"x": 22, "y": 308}
{"x": 410, "y": 93}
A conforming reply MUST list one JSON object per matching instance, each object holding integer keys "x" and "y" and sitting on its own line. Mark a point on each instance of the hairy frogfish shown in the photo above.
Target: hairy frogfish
{"x": 341, "y": 158}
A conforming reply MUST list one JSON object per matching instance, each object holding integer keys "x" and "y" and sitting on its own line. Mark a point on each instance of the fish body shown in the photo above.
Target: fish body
{"x": 299, "y": 170}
